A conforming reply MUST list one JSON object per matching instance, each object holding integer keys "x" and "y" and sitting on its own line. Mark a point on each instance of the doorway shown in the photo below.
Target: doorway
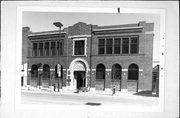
{"x": 80, "y": 78}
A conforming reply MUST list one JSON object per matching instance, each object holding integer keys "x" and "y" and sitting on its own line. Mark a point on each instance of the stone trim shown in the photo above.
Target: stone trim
{"x": 52, "y": 69}
{"x": 124, "y": 69}
{"x": 140, "y": 69}
{"x": 108, "y": 69}
{"x": 79, "y": 36}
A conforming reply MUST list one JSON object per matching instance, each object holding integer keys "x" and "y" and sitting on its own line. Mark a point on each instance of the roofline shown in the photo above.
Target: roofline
{"x": 117, "y": 28}
{"x": 46, "y": 33}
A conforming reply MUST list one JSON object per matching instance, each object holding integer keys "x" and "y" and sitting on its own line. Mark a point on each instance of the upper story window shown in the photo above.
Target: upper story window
{"x": 47, "y": 48}
{"x": 60, "y": 48}
{"x": 134, "y": 45}
{"x": 109, "y": 43}
{"x": 101, "y": 46}
{"x": 125, "y": 46}
{"x": 119, "y": 45}
{"x": 53, "y": 48}
{"x": 79, "y": 46}
{"x": 41, "y": 49}
{"x": 35, "y": 49}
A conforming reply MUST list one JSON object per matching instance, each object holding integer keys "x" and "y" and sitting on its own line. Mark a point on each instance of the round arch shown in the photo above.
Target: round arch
{"x": 133, "y": 72}
{"x": 78, "y": 64}
{"x": 116, "y": 72}
{"x": 46, "y": 76}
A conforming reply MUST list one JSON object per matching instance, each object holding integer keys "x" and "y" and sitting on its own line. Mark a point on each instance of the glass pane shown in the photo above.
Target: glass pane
{"x": 101, "y": 42}
{"x": 125, "y": 48}
{"x": 134, "y": 45}
{"x": 53, "y": 44}
{"x": 41, "y": 49}
{"x": 47, "y": 48}
{"x": 109, "y": 46}
{"x": 133, "y": 72}
{"x": 101, "y": 46}
{"x": 100, "y": 72}
{"x": 79, "y": 47}
{"x": 35, "y": 53}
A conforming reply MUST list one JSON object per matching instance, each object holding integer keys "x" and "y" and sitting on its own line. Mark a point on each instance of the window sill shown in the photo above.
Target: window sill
{"x": 119, "y": 55}
{"x": 45, "y": 56}
{"x": 79, "y": 55}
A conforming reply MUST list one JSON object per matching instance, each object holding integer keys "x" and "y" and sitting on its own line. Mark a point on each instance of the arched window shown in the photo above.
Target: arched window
{"x": 133, "y": 72}
{"x": 100, "y": 71}
{"x": 116, "y": 72}
{"x": 34, "y": 71}
{"x": 46, "y": 71}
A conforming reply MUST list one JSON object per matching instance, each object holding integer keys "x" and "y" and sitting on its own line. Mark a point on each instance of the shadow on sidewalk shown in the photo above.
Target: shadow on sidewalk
{"x": 146, "y": 94}
{"x": 93, "y": 104}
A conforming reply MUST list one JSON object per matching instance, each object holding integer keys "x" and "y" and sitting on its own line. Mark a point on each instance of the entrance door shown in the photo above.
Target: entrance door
{"x": 80, "y": 78}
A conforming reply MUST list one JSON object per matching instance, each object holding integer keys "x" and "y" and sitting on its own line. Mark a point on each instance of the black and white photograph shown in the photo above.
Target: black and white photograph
{"x": 91, "y": 59}
{"x": 83, "y": 59}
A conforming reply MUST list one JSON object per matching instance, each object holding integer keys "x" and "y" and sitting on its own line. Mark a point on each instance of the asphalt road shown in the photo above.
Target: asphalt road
{"x": 85, "y": 99}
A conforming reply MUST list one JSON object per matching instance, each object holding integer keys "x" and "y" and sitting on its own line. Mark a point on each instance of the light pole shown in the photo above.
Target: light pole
{"x": 39, "y": 75}
{"x": 59, "y": 25}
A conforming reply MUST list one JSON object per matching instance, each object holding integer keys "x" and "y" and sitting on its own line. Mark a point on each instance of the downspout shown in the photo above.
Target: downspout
{"x": 90, "y": 59}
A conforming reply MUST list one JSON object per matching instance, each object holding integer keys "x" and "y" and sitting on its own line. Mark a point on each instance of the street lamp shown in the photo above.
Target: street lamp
{"x": 58, "y": 24}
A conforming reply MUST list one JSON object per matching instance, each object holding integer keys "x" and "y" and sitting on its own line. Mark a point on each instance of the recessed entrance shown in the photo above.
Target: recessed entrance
{"x": 78, "y": 74}
{"x": 80, "y": 78}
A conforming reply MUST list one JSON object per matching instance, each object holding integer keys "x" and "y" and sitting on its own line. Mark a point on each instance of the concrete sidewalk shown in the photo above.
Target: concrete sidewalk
{"x": 74, "y": 92}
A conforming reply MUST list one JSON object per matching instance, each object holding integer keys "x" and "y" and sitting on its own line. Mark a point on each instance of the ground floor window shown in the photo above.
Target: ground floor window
{"x": 46, "y": 71}
{"x": 100, "y": 71}
{"x": 34, "y": 71}
{"x": 133, "y": 72}
{"x": 116, "y": 72}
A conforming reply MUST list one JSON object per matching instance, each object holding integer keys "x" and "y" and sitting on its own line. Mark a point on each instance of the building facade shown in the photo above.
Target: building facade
{"x": 92, "y": 57}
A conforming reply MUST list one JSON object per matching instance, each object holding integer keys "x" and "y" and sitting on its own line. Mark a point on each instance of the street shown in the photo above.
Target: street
{"x": 50, "y": 98}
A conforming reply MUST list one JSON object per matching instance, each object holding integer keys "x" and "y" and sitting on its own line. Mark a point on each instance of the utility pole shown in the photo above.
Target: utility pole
{"x": 59, "y": 25}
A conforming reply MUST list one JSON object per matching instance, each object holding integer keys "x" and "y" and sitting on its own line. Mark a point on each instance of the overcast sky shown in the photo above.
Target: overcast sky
{"x": 43, "y": 21}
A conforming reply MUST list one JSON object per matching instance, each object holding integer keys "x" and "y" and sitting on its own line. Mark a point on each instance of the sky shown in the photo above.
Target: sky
{"x": 43, "y": 21}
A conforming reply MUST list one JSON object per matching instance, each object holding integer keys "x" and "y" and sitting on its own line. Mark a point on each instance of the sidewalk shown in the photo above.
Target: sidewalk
{"x": 73, "y": 92}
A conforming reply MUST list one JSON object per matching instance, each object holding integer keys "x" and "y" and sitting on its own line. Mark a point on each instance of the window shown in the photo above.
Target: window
{"x": 35, "y": 51}
{"x": 34, "y": 71}
{"x": 134, "y": 45}
{"x": 46, "y": 71}
{"x": 117, "y": 45}
{"x": 100, "y": 71}
{"x": 101, "y": 46}
{"x": 47, "y": 48}
{"x": 53, "y": 51}
{"x": 133, "y": 72}
{"x": 125, "y": 46}
{"x": 40, "y": 49}
{"x": 61, "y": 48}
{"x": 116, "y": 72}
{"x": 79, "y": 47}
{"x": 109, "y": 43}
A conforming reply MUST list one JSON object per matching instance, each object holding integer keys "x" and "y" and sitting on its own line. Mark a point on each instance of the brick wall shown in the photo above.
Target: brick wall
{"x": 143, "y": 59}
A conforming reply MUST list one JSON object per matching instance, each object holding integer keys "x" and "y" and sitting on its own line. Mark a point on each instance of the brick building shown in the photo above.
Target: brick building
{"x": 91, "y": 56}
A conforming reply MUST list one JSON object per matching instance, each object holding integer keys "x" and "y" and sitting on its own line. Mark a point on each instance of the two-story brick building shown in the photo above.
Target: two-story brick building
{"x": 92, "y": 56}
